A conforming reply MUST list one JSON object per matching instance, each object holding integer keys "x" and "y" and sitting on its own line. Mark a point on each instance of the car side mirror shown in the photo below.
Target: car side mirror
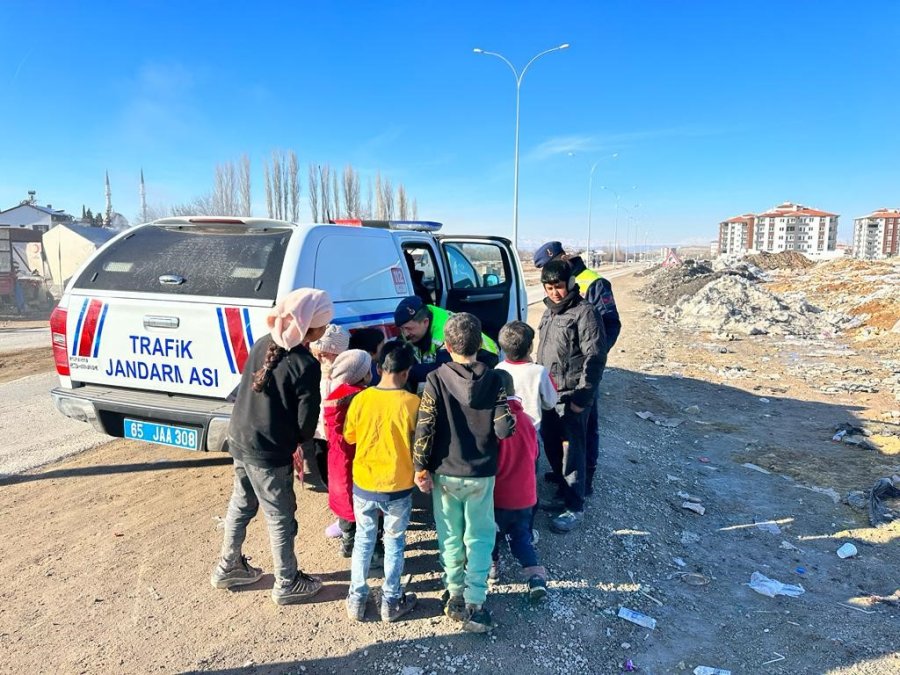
{"x": 491, "y": 280}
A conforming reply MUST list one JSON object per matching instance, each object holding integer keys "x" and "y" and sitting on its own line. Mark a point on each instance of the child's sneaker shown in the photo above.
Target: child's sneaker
{"x": 477, "y": 619}
{"x": 334, "y": 531}
{"x": 302, "y": 588}
{"x": 241, "y": 573}
{"x": 454, "y": 608}
{"x": 566, "y": 521}
{"x": 537, "y": 588}
{"x": 494, "y": 574}
{"x": 391, "y": 611}
{"x": 356, "y": 609}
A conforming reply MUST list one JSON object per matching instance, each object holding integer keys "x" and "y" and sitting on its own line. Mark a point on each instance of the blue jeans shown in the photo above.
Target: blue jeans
{"x": 273, "y": 489}
{"x": 514, "y": 525}
{"x": 396, "y": 520}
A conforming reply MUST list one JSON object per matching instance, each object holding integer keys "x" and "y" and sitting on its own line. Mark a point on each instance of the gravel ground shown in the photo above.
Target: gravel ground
{"x": 115, "y": 576}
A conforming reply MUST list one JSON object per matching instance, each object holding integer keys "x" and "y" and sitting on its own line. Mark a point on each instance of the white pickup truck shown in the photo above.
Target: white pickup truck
{"x": 152, "y": 333}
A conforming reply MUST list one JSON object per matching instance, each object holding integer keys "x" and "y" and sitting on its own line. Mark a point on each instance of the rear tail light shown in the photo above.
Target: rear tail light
{"x": 58, "y": 338}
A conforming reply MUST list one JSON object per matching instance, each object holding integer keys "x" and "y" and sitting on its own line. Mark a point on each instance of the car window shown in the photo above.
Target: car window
{"x": 476, "y": 265}
{"x": 424, "y": 269}
{"x": 234, "y": 262}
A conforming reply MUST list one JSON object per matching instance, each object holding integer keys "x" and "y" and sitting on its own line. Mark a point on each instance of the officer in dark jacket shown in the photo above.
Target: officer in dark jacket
{"x": 573, "y": 349}
{"x": 598, "y": 292}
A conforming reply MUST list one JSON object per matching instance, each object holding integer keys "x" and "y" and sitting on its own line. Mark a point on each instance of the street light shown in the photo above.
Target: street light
{"x": 615, "y": 155}
{"x": 616, "y": 235}
{"x": 518, "y": 76}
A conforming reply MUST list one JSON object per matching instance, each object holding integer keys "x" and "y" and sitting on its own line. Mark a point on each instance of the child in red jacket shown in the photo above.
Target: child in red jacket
{"x": 515, "y": 494}
{"x": 350, "y": 374}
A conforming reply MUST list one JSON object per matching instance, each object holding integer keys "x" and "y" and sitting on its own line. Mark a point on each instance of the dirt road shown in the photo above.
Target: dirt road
{"x": 107, "y": 555}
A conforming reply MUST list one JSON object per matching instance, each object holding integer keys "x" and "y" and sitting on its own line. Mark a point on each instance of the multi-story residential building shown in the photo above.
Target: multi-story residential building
{"x": 794, "y": 227}
{"x": 736, "y": 234}
{"x": 877, "y": 235}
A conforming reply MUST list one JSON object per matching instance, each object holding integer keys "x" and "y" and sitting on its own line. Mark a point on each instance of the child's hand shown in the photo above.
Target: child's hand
{"x": 423, "y": 481}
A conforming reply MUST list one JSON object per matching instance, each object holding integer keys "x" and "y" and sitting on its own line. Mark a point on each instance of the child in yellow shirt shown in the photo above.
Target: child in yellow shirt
{"x": 381, "y": 421}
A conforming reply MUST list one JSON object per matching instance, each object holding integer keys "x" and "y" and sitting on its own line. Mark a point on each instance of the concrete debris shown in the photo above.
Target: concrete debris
{"x": 660, "y": 420}
{"x": 754, "y": 467}
{"x": 669, "y": 285}
{"x": 737, "y": 305}
{"x": 785, "y": 260}
{"x": 694, "y": 506}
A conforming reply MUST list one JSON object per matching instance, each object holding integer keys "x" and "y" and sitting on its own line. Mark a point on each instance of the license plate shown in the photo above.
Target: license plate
{"x": 164, "y": 434}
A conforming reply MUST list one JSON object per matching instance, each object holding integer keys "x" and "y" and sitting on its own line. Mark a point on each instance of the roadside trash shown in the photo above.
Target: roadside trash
{"x": 839, "y": 435}
{"x": 705, "y": 460}
{"x": 788, "y": 546}
{"x": 848, "y": 550}
{"x": 754, "y": 467}
{"x": 857, "y": 499}
{"x": 679, "y": 561}
{"x": 637, "y": 617}
{"x": 772, "y": 587}
{"x": 693, "y": 506}
{"x": 800, "y": 570}
{"x": 883, "y": 489}
{"x": 688, "y": 497}
{"x": 707, "y": 670}
{"x": 893, "y": 599}
{"x": 629, "y": 666}
{"x": 694, "y": 579}
{"x": 660, "y": 420}
{"x": 763, "y": 399}
{"x": 769, "y": 526}
{"x": 692, "y": 409}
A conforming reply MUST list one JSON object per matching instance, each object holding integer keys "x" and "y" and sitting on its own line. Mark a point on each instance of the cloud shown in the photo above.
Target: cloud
{"x": 591, "y": 143}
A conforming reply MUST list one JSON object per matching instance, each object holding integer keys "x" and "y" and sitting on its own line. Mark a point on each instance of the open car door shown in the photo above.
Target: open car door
{"x": 485, "y": 279}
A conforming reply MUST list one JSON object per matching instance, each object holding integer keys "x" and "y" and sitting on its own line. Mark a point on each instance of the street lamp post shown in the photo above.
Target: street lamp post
{"x": 590, "y": 201}
{"x": 616, "y": 230}
{"x": 518, "y": 77}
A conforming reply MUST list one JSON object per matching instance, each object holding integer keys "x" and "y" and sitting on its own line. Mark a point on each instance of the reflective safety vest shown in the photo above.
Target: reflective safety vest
{"x": 439, "y": 317}
{"x": 585, "y": 278}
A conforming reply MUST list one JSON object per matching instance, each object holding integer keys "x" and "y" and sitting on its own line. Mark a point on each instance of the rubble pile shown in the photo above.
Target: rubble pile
{"x": 734, "y": 304}
{"x": 668, "y": 285}
{"x": 866, "y": 290}
{"x": 785, "y": 260}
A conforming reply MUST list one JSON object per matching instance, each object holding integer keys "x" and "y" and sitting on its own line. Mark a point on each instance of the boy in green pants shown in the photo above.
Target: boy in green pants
{"x": 462, "y": 415}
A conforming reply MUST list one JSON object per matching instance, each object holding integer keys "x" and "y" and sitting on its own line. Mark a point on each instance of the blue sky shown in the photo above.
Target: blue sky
{"x": 715, "y": 108}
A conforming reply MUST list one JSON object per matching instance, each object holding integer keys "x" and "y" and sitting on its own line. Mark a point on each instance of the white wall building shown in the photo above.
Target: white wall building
{"x": 877, "y": 235}
{"x": 32, "y": 215}
{"x": 736, "y": 234}
{"x": 794, "y": 227}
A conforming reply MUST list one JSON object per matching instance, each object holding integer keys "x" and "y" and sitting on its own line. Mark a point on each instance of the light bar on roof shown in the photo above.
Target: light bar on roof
{"x": 409, "y": 225}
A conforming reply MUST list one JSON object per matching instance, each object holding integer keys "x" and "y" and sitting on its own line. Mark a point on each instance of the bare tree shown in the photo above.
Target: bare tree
{"x": 380, "y": 210}
{"x": 244, "y": 187}
{"x": 294, "y": 174}
{"x": 367, "y": 212}
{"x": 224, "y": 195}
{"x": 336, "y": 194}
{"x": 325, "y": 192}
{"x": 388, "y": 198}
{"x": 313, "y": 191}
{"x": 415, "y": 209}
{"x": 402, "y": 203}
{"x": 351, "y": 192}
{"x": 277, "y": 185}
{"x": 268, "y": 177}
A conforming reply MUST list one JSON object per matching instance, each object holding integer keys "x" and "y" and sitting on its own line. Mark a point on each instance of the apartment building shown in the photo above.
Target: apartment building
{"x": 877, "y": 235}
{"x": 736, "y": 234}
{"x": 795, "y": 227}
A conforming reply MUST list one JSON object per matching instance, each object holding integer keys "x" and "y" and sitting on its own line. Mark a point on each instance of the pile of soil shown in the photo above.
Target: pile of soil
{"x": 785, "y": 260}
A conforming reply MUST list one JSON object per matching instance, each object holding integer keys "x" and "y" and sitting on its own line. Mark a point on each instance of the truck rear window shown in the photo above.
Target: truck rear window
{"x": 220, "y": 261}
